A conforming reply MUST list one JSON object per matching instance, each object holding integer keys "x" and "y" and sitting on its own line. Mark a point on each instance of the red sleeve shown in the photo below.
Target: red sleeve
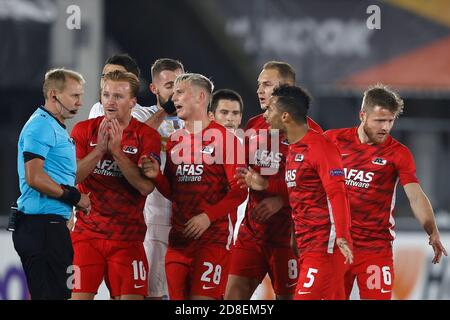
{"x": 235, "y": 195}
{"x": 406, "y": 167}
{"x": 161, "y": 181}
{"x": 330, "y": 170}
{"x": 162, "y": 184}
{"x": 340, "y": 209}
{"x": 151, "y": 143}
{"x": 277, "y": 187}
{"x": 79, "y": 135}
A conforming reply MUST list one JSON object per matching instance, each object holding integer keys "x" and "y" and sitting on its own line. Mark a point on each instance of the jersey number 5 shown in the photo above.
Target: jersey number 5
{"x": 310, "y": 276}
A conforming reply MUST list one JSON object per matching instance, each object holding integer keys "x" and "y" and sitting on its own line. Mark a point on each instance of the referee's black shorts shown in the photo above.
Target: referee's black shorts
{"x": 45, "y": 249}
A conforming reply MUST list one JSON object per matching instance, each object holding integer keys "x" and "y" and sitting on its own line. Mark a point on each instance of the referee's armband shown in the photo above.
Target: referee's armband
{"x": 28, "y": 156}
{"x": 70, "y": 195}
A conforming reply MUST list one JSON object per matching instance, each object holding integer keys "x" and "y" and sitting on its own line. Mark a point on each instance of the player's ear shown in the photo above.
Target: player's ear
{"x": 202, "y": 95}
{"x": 153, "y": 88}
{"x": 133, "y": 102}
{"x": 51, "y": 95}
{"x": 362, "y": 116}
{"x": 211, "y": 115}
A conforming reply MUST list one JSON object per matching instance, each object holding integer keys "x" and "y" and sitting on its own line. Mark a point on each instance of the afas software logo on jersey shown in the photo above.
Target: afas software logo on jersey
{"x": 189, "y": 172}
{"x": 379, "y": 161}
{"x": 108, "y": 167}
{"x": 290, "y": 177}
{"x": 268, "y": 159}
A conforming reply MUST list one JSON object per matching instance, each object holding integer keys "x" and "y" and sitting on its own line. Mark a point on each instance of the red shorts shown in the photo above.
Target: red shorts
{"x": 197, "y": 270}
{"x": 321, "y": 276}
{"x": 123, "y": 265}
{"x": 374, "y": 273}
{"x": 250, "y": 259}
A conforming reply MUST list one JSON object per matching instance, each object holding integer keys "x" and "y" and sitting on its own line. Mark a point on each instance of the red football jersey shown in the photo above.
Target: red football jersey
{"x": 277, "y": 229}
{"x": 372, "y": 173}
{"x": 316, "y": 185}
{"x": 262, "y": 154}
{"x": 202, "y": 180}
{"x": 117, "y": 206}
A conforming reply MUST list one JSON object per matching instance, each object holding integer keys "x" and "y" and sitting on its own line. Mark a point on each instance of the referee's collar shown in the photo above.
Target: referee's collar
{"x": 51, "y": 115}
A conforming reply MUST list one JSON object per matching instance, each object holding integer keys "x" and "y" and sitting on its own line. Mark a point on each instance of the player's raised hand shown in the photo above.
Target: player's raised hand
{"x": 240, "y": 177}
{"x": 438, "y": 248}
{"x": 149, "y": 167}
{"x": 103, "y": 136}
{"x": 196, "y": 226}
{"x": 115, "y": 137}
{"x": 249, "y": 178}
{"x": 266, "y": 208}
{"x": 345, "y": 250}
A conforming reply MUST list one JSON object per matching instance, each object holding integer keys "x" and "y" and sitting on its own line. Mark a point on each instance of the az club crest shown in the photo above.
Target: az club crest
{"x": 208, "y": 149}
{"x": 379, "y": 161}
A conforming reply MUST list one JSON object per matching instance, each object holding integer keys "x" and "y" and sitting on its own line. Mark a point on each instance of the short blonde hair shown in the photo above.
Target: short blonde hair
{"x": 285, "y": 71}
{"x": 129, "y": 77}
{"x": 198, "y": 80}
{"x": 57, "y": 78}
